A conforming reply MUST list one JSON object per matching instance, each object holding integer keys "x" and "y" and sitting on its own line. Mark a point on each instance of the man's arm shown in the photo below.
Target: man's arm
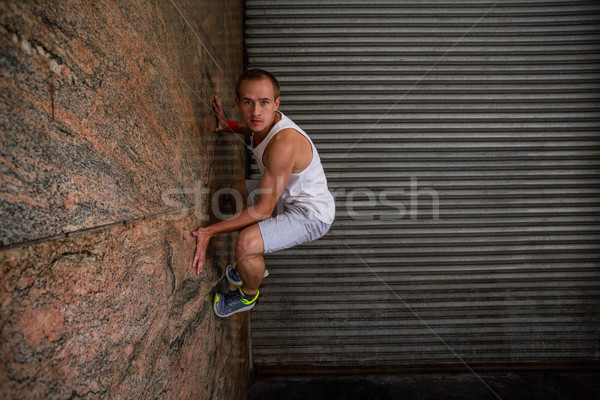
{"x": 279, "y": 163}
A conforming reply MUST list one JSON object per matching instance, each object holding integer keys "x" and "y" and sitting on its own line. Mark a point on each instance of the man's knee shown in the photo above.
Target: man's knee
{"x": 249, "y": 243}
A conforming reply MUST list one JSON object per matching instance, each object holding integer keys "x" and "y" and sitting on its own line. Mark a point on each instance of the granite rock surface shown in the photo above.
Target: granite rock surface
{"x": 118, "y": 313}
{"x": 106, "y": 110}
{"x": 108, "y": 161}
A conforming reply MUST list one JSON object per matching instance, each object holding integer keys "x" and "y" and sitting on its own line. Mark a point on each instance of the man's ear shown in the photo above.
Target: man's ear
{"x": 277, "y": 100}
{"x": 237, "y": 102}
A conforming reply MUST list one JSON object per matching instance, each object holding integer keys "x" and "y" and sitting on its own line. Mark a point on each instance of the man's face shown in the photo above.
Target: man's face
{"x": 257, "y": 104}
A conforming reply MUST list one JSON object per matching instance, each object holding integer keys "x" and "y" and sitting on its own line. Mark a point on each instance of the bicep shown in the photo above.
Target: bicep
{"x": 278, "y": 169}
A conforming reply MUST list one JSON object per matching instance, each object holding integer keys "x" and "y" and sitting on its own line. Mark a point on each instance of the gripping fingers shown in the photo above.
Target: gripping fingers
{"x": 197, "y": 255}
{"x": 198, "y": 263}
{"x": 216, "y": 105}
{"x": 198, "y": 258}
{"x": 221, "y": 119}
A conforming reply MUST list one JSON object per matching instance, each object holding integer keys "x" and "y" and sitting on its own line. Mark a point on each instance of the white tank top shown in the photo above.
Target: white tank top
{"x": 308, "y": 188}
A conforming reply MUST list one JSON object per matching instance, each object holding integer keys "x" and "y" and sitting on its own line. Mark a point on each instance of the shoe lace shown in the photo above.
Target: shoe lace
{"x": 233, "y": 298}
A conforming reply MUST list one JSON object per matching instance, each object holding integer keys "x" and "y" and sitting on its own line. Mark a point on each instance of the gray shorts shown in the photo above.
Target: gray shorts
{"x": 288, "y": 226}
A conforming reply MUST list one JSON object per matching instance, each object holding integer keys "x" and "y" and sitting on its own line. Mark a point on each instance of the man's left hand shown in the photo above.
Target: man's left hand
{"x": 202, "y": 239}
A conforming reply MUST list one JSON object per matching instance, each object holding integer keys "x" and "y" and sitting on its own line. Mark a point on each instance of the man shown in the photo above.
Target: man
{"x": 292, "y": 174}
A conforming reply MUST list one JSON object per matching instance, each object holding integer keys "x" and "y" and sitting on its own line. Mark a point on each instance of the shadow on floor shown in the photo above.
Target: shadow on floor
{"x": 448, "y": 386}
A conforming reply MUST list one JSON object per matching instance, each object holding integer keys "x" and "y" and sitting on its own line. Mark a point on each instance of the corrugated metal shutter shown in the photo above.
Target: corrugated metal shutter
{"x": 489, "y": 109}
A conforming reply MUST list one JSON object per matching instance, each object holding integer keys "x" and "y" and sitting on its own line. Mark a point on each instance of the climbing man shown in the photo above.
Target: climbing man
{"x": 292, "y": 177}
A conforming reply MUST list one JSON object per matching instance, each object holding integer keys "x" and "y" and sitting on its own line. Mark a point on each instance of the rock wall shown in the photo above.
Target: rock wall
{"x": 107, "y": 161}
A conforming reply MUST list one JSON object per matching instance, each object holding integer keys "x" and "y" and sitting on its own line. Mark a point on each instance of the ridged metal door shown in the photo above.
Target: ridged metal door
{"x": 461, "y": 140}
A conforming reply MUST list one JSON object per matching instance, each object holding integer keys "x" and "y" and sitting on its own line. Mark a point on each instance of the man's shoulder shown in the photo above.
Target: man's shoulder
{"x": 283, "y": 144}
{"x": 287, "y": 135}
{"x": 285, "y": 138}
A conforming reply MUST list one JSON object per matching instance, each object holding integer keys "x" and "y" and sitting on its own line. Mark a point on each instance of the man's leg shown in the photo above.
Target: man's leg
{"x": 249, "y": 251}
{"x": 239, "y": 202}
{"x": 251, "y": 267}
{"x": 249, "y": 246}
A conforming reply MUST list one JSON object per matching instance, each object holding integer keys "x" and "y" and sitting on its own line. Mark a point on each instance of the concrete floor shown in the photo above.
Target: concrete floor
{"x": 580, "y": 385}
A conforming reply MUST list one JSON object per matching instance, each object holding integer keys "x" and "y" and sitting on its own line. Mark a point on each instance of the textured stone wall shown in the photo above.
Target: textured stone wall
{"x": 107, "y": 161}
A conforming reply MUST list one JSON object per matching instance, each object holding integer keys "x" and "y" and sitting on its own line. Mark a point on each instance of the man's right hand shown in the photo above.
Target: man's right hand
{"x": 221, "y": 118}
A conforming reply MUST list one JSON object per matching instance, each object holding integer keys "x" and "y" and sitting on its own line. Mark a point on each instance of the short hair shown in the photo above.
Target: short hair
{"x": 256, "y": 74}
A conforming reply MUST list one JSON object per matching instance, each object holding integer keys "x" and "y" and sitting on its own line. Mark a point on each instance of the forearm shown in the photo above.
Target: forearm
{"x": 246, "y": 218}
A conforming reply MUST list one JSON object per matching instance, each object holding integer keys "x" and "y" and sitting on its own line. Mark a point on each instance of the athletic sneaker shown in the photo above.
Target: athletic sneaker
{"x": 234, "y": 278}
{"x": 233, "y": 302}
